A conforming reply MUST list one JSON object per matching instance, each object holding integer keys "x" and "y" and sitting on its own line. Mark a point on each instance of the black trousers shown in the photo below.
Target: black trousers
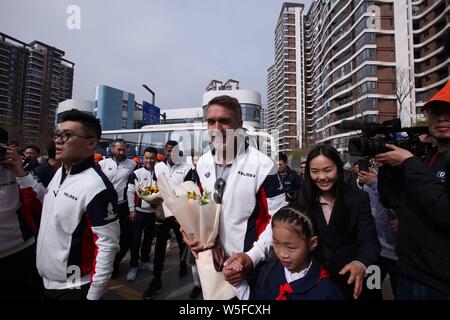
{"x": 67, "y": 294}
{"x": 145, "y": 223}
{"x": 162, "y": 235}
{"x": 392, "y": 268}
{"x": 125, "y": 233}
{"x": 19, "y": 278}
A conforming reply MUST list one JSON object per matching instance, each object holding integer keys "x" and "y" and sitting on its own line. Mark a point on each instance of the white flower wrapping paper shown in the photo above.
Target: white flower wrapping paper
{"x": 154, "y": 198}
{"x": 199, "y": 222}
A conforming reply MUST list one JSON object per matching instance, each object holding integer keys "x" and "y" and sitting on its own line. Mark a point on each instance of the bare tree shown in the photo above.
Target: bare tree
{"x": 404, "y": 87}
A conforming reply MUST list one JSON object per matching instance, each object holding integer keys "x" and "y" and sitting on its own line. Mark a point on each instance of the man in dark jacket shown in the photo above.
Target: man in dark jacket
{"x": 422, "y": 193}
{"x": 47, "y": 169}
{"x": 289, "y": 178}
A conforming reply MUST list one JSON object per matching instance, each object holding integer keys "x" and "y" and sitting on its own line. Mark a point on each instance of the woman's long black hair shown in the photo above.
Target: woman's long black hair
{"x": 310, "y": 193}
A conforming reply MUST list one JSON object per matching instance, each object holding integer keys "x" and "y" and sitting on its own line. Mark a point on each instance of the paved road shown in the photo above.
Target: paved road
{"x": 175, "y": 288}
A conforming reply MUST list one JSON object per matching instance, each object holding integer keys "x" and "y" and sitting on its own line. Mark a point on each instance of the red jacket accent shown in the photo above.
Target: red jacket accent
{"x": 31, "y": 209}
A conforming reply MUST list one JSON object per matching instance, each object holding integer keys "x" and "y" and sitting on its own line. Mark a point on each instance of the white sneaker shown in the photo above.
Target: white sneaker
{"x": 132, "y": 273}
{"x": 146, "y": 266}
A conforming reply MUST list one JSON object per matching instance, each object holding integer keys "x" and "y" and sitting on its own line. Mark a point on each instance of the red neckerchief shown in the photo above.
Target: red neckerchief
{"x": 285, "y": 290}
{"x": 323, "y": 274}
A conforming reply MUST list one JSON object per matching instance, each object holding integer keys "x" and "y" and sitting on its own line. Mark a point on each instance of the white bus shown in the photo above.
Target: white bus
{"x": 192, "y": 138}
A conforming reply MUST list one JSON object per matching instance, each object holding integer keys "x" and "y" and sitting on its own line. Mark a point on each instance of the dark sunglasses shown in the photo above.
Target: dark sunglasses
{"x": 219, "y": 186}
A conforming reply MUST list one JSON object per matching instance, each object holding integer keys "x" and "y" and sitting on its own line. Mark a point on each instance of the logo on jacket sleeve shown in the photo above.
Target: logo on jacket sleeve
{"x": 110, "y": 215}
{"x": 207, "y": 174}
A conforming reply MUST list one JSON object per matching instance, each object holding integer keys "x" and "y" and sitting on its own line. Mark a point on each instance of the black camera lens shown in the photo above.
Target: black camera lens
{"x": 2, "y": 152}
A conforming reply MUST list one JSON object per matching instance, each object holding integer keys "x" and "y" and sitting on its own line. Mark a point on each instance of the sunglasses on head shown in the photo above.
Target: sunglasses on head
{"x": 219, "y": 186}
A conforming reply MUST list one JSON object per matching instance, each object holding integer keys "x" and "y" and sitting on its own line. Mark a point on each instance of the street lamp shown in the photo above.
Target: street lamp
{"x": 163, "y": 115}
{"x": 151, "y": 91}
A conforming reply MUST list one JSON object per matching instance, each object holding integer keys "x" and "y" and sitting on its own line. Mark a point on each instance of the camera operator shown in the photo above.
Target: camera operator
{"x": 421, "y": 192}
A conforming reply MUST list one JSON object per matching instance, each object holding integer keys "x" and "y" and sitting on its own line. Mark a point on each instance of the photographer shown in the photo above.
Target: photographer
{"x": 19, "y": 211}
{"x": 421, "y": 192}
{"x": 290, "y": 179}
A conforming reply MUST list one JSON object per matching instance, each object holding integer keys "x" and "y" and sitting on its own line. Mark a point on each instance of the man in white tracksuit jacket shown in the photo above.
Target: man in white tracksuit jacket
{"x": 79, "y": 230}
{"x": 244, "y": 181}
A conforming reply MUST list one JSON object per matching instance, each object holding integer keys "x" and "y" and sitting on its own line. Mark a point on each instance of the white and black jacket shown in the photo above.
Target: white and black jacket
{"x": 118, "y": 174}
{"x": 177, "y": 175}
{"x": 19, "y": 215}
{"x": 146, "y": 178}
{"x": 252, "y": 194}
{"x": 79, "y": 231}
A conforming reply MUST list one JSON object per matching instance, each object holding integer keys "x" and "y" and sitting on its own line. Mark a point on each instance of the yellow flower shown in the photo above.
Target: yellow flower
{"x": 192, "y": 195}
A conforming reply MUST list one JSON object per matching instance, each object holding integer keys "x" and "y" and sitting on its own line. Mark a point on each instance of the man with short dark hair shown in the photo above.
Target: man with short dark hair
{"x": 45, "y": 171}
{"x": 31, "y": 154}
{"x": 177, "y": 172}
{"x": 79, "y": 230}
{"x": 302, "y": 169}
{"x": 289, "y": 178}
{"x": 142, "y": 215}
{"x": 118, "y": 168}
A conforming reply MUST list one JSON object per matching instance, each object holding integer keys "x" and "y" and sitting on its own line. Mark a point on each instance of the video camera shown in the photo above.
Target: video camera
{"x": 375, "y": 136}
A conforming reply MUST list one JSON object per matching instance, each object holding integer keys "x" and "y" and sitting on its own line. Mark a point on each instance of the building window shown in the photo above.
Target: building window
{"x": 367, "y": 38}
{"x": 366, "y": 54}
{"x": 367, "y": 87}
{"x": 366, "y": 71}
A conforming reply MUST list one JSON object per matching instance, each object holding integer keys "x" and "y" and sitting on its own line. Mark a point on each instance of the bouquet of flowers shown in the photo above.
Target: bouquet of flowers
{"x": 198, "y": 216}
{"x": 149, "y": 194}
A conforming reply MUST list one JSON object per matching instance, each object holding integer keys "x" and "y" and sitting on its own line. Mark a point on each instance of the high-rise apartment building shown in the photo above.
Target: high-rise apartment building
{"x": 271, "y": 98}
{"x": 350, "y": 67}
{"x": 286, "y": 82}
{"x": 367, "y": 60}
{"x": 431, "y": 46}
{"x": 34, "y": 78}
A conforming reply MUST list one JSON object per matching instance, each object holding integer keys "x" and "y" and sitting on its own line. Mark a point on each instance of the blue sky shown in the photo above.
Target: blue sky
{"x": 174, "y": 46}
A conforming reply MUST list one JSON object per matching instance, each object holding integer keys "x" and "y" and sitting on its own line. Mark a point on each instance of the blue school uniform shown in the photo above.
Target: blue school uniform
{"x": 315, "y": 285}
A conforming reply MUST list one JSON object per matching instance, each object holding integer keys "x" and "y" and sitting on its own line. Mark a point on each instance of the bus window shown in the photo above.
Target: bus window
{"x": 132, "y": 142}
{"x": 105, "y": 143}
{"x": 156, "y": 139}
{"x": 184, "y": 139}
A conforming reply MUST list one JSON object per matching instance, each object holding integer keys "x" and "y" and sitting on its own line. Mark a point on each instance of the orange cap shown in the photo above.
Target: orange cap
{"x": 160, "y": 157}
{"x": 441, "y": 97}
{"x": 98, "y": 157}
{"x": 137, "y": 160}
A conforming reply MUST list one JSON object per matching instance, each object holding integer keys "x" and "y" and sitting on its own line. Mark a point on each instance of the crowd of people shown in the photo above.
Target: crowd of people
{"x": 67, "y": 223}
